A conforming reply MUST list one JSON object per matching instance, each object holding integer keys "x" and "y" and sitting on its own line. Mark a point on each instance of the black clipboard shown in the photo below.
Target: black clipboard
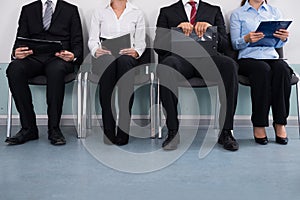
{"x": 39, "y": 46}
{"x": 181, "y": 44}
{"x": 116, "y": 44}
{"x": 269, "y": 28}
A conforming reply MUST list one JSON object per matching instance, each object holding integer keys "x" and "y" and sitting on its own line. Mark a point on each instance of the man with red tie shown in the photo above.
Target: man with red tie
{"x": 196, "y": 15}
{"x": 54, "y": 20}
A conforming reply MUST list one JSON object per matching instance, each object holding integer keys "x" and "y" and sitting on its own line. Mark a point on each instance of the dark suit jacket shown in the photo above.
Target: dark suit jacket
{"x": 175, "y": 14}
{"x": 65, "y": 26}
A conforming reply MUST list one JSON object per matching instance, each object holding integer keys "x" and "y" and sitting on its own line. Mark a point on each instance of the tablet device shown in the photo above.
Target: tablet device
{"x": 116, "y": 44}
{"x": 39, "y": 46}
{"x": 269, "y": 28}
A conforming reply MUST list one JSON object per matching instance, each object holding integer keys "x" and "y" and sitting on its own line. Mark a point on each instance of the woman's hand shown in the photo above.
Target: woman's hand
{"x": 65, "y": 55}
{"x": 282, "y": 34}
{"x": 187, "y": 28}
{"x": 253, "y": 37}
{"x": 101, "y": 52}
{"x": 201, "y": 27}
{"x": 129, "y": 52}
{"x": 22, "y": 52}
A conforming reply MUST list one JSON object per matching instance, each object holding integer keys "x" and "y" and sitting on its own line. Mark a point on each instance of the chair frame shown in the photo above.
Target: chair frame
{"x": 88, "y": 78}
{"x": 42, "y": 80}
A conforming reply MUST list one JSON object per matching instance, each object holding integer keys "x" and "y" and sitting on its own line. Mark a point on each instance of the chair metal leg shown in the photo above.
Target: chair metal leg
{"x": 216, "y": 121}
{"x": 159, "y": 112}
{"x": 298, "y": 104}
{"x": 84, "y": 105}
{"x": 79, "y": 105}
{"x": 152, "y": 113}
{"x": 9, "y": 114}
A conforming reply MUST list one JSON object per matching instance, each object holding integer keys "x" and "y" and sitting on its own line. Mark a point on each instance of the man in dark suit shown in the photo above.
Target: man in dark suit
{"x": 49, "y": 20}
{"x": 198, "y": 16}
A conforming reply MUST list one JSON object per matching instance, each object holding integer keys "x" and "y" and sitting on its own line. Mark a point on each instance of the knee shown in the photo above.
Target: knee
{"x": 15, "y": 69}
{"x": 126, "y": 61}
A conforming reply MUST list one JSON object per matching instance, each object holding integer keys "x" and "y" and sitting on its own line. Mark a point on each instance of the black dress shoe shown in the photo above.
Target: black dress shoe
{"x": 228, "y": 141}
{"x": 172, "y": 141}
{"x": 262, "y": 141}
{"x": 122, "y": 137}
{"x": 278, "y": 139}
{"x": 56, "y": 137}
{"x": 24, "y": 135}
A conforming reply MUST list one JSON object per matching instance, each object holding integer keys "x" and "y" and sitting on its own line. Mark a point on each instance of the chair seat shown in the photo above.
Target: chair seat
{"x": 244, "y": 80}
{"x": 42, "y": 80}
{"x": 196, "y": 82}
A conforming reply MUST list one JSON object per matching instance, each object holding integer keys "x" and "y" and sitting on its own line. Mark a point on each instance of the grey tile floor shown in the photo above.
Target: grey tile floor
{"x": 39, "y": 171}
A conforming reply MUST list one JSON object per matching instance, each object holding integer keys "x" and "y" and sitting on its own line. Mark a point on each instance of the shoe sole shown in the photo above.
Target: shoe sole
{"x": 18, "y": 143}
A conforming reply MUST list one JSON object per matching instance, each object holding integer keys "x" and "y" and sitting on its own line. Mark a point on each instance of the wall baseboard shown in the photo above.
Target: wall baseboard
{"x": 143, "y": 120}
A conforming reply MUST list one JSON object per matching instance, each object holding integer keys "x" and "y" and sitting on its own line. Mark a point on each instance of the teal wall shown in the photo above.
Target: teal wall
{"x": 189, "y": 106}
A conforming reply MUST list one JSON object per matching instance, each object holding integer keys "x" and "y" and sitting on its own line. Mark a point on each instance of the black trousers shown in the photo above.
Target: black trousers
{"x": 220, "y": 69}
{"x": 111, "y": 69}
{"x": 270, "y": 82}
{"x": 55, "y": 69}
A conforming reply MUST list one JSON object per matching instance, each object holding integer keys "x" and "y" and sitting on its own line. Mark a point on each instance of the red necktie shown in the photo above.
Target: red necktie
{"x": 193, "y": 12}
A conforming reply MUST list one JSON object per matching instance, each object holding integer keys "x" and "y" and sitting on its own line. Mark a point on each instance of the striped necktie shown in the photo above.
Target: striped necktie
{"x": 48, "y": 15}
{"x": 193, "y": 12}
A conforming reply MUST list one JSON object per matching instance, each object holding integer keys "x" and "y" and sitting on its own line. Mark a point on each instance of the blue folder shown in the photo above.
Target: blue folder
{"x": 269, "y": 28}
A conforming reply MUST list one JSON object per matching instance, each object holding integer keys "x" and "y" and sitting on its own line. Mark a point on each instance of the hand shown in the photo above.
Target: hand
{"x": 253, "y": 37}
{"x": 129, "y": 52}
{"x": 99, "y": 52}
{"x": 201, "y": 27}
{"x": 187, "y": 28}
{"x": 282, "y": 34}
{"x": 22, "y": 52}
{"x": 65, "y": 55}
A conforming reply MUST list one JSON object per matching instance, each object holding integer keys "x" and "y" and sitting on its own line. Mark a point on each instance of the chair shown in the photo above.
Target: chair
{"x": 243, "y": 80}
{"x": 42, "y": 80}
{"x": 140, "y": 79}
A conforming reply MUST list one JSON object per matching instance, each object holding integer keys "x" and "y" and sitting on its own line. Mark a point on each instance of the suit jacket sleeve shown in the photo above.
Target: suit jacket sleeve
{"x": 22, "y": 30}
{"x": 223, "y": 42}
{"x": 76, "y": 37}
{"x": 162, "y": 41}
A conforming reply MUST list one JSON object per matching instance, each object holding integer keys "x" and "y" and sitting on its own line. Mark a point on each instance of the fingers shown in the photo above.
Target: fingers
{"x": 130, "y": 52}
{"x": 282, "y": 34}
{"x": 254, "y": 37}
{"x": 22, "y": 52}
{"x": 201, "y": 27}
{"x": 65, "y": 55}
{"x": 101, "y": 52}
{"x": 186, "y": 27}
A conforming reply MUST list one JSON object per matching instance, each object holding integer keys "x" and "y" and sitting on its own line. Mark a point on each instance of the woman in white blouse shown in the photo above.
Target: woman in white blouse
{"x": 118, "y": 18}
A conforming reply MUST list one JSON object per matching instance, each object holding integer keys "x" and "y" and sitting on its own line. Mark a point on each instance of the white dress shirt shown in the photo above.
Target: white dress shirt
{"x": 105, "y": 24}
{"x": 188, "y": 7}
{"x": 54, "y": 2}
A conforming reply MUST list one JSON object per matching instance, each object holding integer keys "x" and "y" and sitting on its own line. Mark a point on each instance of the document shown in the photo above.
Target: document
{"x": 116, "y": 44}
{"x": 39, "y": 46}
{"x": 269, "y": 28}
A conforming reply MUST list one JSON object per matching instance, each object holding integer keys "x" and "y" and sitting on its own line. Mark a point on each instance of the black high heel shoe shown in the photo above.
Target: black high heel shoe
{"x": 278, "y": 139}
{"x": 262, "y": 141}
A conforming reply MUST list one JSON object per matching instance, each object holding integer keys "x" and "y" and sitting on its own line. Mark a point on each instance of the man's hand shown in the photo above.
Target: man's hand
{"x": 65, "y": 55}
{"x": 99, "y": 52}
{"x": 187, "y": 28}
{"x": 22, "y": 52}
{"x": 282, "y": 34}
{"x": 253, "y": 37}
{"x": 201, "y": 27}
{"x": 129, "y": 52}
